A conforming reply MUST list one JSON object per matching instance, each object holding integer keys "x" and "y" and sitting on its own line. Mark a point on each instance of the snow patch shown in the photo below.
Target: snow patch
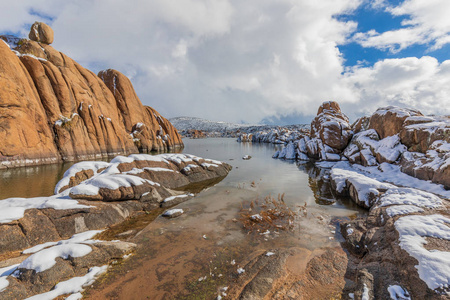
{"x": 433, "y": 264}
{"x": 72, "y": 286}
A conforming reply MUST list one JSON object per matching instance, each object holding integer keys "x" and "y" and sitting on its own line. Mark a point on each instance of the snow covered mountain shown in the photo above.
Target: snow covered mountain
{"x": 193, "y": 123}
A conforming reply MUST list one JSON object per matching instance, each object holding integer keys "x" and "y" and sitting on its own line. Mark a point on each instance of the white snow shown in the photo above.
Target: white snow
{"x": 168, "y": 199}
{"x": 79, "y": 167}
{"x": 391, "y": 173}
{"x": 433, "y": 264}
{"x": 39, "y": 247}
{"x": 270, "y": 253}
{"x": 207, "y": 165}
{"x": 108, "y": 181}
{"x": 44, "y": 257}
{"x": 396, "y": 292}
{"x": 343, "y": 174}
{"x": 14, "y": 208}
{"x": 240, "y": 271}
{"x": 349, "y": 231}
{"x": 4, "y": 273}
{"x": 409, "y": 196}
{"x": 71, "y": 286}
{"x": 256, "y": 217}
{"x": 171, "y": 212}
{"x": 402, "y": 210}
{"x": 365, "y": 295}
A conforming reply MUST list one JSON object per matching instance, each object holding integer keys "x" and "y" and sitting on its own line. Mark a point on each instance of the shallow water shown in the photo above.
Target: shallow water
{"x": 174, "y": 254}
{"x": 29, "y": 182}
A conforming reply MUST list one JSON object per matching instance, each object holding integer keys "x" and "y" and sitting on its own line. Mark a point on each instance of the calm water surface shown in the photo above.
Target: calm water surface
{"x": 173, "y": 254}
{"x": 194, "y": 255}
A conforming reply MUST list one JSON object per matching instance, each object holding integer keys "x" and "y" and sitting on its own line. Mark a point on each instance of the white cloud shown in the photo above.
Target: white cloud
{"x": 233, "y": 60}
{"x": 427, "y": 23}
{"x": 408, "y": 82}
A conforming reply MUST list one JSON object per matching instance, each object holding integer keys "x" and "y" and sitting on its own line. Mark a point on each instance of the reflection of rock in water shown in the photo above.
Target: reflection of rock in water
{"x": 319, "y": 182}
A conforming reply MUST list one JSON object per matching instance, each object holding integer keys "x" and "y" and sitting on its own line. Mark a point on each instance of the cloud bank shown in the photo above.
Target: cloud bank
{"x": 245, "y": 60}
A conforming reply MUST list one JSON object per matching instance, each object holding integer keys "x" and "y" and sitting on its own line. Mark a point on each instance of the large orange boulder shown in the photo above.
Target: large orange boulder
{"x": 331, "y": 126}
{"x": 53, "y": 109}
{"x": 41, "y": 32}
{"x": 388, "y": 121}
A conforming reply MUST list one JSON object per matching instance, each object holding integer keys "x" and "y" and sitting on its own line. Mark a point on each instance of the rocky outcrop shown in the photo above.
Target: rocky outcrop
{"x": 41, "y": 33}
{"x": 107, "y": 194}
{"x": 331, "y": 126}
{"x": 56, "y": 110}
{"x": 270, "y": 275}
{"x": 330, "y": 134}
{"x": 419, "y": 144}
{"x": 60, "y": 230}
{"x": 388, "y": 121}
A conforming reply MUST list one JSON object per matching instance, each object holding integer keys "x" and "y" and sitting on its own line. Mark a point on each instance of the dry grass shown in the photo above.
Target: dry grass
{"x": 271, "y": 214}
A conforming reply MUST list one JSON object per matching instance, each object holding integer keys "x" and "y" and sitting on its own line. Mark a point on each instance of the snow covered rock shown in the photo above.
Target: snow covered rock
{"x": 419, "y": 133}
{"x": 389, "y": 120}
{"x": 367, "y": 149}
{"x": 331, "y": 126}
{"x": 128, "y": 178}
{"x": 173, "y": 213}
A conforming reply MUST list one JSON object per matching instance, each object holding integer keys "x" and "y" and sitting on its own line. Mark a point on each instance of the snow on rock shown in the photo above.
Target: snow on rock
{"x": 433, "y": 264}
{"x": 14, "y": 208}
{"x": 409, "y": 196}
{"x": 402, "y": 210}
{"x": 391, "y": 173}
{"x": 396, "y": 292}
{"x": 92, "y": 186}
{"x": 363, "y": 190}
{"x": 288, "y": 152}
{"x": 72, "y": 286}
{"x": 172, "y": 198}
{"x": 79, "y": 167}
{"x": 172, "y": 213}
{"x": 4, "y": 273}
{"x": 45, "y": 259}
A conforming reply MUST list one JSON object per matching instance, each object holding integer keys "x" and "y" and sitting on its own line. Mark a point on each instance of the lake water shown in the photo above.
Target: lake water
{"x": 173, "y": 254}
{"x": 192, "y": 256}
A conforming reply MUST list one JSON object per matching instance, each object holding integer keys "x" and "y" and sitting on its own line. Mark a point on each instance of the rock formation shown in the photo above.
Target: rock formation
{"x": 41, "y": 33}
{"x": 107, "y": 194}
{"x": 55, "y": 110}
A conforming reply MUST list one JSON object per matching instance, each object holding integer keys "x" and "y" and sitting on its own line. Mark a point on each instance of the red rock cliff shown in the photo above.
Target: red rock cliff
{"x": 52, "y": 109}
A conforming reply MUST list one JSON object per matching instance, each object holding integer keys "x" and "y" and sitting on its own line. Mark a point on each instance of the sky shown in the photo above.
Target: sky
{"x": 257, "y": 61}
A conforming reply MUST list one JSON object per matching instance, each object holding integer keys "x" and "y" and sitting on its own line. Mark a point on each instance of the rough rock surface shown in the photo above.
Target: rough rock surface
{"x": 54, "y": 109}
{"x": 41, "y": 33}
{"x": 389, "y": 120}
{"x": 129, "y": 186}
{"x": 29, "y": 282}
{"x": 278, "y": 276}
{"x": 387, "y": 245}
{"x": 331, "y": 126}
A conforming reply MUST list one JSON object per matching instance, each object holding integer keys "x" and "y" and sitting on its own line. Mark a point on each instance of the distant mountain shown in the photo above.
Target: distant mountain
{"x": 193, "y": 123}
{"x": 186, "y": 123}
